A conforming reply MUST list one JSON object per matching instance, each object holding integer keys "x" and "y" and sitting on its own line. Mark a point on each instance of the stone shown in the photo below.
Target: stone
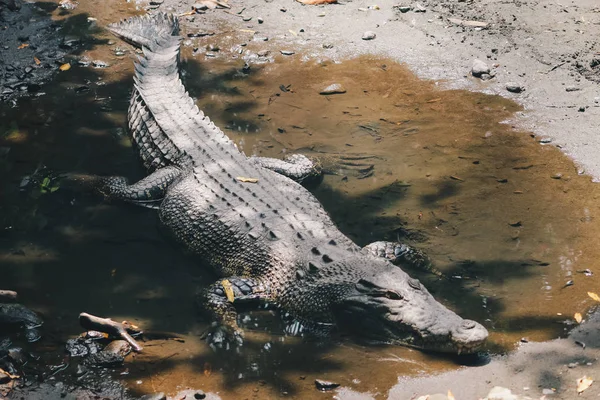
{"x": 500, "y": 393}
{"x": 154, "y": 396}
{"x": 514, "y": 87}
{"x": 334, "y": 88}
{"x": 369, "y": 35}
{"x": 479, "y": 68}
{"x": 287, "y": 52}
{"x": 325, "y": 385}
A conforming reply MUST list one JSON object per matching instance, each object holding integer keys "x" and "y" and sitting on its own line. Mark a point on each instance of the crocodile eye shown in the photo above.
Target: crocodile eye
{"x": 414, "y": 283}
{"x": 393, "y": 295}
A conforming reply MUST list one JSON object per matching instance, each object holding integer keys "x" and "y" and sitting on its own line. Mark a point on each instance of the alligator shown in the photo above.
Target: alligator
{"x": 259, "y": 229}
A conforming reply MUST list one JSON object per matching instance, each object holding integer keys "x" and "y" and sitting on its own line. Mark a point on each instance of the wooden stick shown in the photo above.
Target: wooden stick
{"x": 107, "y": 325}
{"x": 8, "y": 295}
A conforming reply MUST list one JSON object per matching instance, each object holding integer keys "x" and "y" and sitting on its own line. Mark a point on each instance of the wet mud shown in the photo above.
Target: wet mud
{"x": 509, "y": 220}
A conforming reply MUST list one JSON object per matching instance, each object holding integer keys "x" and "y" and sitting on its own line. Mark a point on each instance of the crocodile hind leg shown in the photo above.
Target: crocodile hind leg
{"x": 218, "y": 301}
{"x": 400, "y": 253}
{"x": 297, "y": 167}
{"x": 147, "y": 192}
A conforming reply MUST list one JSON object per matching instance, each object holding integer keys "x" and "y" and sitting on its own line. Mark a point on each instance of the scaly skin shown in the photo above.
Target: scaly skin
{"x": 267, "y": 236}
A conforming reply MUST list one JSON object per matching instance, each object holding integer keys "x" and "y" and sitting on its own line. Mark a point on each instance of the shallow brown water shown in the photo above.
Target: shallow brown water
{"x": 447, "y": 176}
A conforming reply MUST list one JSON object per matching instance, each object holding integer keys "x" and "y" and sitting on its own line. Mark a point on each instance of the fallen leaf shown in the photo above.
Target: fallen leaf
{"x": 434, "y": 100}
{"x": 65, "y": 67}
{"x": 249, "y": 180}
{"x": 207, "y": 369}
{"x": 22, "y": 46}
{"x": 314, "y": 2}
{"x": 456, "y": 178}
{"x": 228, "y": 290}
{"x": 594, "y": 296}
{"x": 583, "y": 383}
{"x": 37, "y": 61}
{"x": 578, "y": 317}
{"x": 450, "y": 395}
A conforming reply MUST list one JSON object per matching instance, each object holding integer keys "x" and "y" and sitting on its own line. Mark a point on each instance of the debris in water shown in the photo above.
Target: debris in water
{"x": 578, "y": 317}
{"x": 23, "y": 45}
{"x": 594, "y": 296}
{"x": 65, "y": 67}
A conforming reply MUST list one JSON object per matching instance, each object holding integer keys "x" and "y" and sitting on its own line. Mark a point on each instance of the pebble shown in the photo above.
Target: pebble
{"x": 571, "y": 88}
{"x": 99, "y": 64}
{"x": 327, "y": 46}
{"x": 263, "y": 53}
{"x": 154, "y": 396}
{"x": 261, "y": 38}
{"x": 514, "y": 87}
{"x": 369, "y": 35}
{"x": 500, "y": 393}
{"x": 403, "y": 9}
{"x": 260, "y": 20}
{"x": 325, "y": 385}
{"x": 246, "y": 19}
{"x": 200, "y": 7}
{"x": 334, "y": 88}
{"x": 545, "y": 140}
{"x": 419, "y": 8}
{"x": 287, "y": 52}
{"x": 479, "y": 68}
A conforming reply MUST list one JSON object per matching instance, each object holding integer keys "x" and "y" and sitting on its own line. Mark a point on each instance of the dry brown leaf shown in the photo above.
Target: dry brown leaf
{"x": 244, "y": 179}
{"x": 594, "y": 296}
{"x": 315, "y": 2}
{"x": 22, "y": 46}
{"x": 37, "y": 61}
{"x": 450, "y": 395}
{"x": 65, "y": 67}
{"x": 207, "y": 369}
{"x": 228, "y": 290}
{"x": 578, "y": 317}
{"x": 583, "y": 384}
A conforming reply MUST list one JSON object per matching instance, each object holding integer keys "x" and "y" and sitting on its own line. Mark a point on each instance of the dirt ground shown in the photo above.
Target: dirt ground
{"x": 548, "y": 49}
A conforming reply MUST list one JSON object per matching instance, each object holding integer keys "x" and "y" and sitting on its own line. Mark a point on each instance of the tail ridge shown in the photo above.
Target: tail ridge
{"x": 147, "y": 30}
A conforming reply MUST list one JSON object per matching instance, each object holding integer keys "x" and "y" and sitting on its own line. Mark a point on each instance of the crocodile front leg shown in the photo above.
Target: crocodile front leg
{"x": 148, "y": 192}
{"x": 218, "y": 301}
{"x": 297, "y": 167}
{"x": 400, "y": 253}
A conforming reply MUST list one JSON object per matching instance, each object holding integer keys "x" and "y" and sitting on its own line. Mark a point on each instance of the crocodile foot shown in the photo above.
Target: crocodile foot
{"x": 224, "y": 337}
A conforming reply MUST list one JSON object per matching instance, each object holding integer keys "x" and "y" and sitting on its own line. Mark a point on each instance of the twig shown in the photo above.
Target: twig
{"x": 107, "y": 325}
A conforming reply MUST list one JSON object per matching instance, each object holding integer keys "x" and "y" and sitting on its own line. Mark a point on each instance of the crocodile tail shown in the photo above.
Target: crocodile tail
{"x": 147, "y": 30}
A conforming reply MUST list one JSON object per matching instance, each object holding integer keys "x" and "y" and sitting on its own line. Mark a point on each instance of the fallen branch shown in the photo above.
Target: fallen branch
{"x": 107, "y": 325}
{"x": 8, "y": 296}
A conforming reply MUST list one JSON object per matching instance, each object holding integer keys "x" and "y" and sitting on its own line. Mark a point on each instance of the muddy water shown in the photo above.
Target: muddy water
{"x": 509, "y": 219}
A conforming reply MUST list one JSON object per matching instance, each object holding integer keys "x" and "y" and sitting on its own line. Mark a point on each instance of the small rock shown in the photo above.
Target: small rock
{"x": 334, "y": 88}
{"x": 81, "y": 370}
{"x": 260, "y": 20}
{"x": 500, "y": 393}
{"x": 436, "y": 396}
{"x": 402, "y": 9}
{"x": 581, "y": 109}
{"x": 514, "y": 87}
{"x": 545, "y": 140}
{"x": 154, "y": 396}
{"x": 325, "y": 385}
{"x": 572, "y": 88}
{"x": 199, "y": 395}
{"x": 547, "y": 391}
{"x": 263, "y": 53}
{"x": 572, "y": 365}
{"x": 199, "y": 7}
{"x": 327, "y": 46}
{"x": 213, "y": 47}
{"x": 479, "y": 68}
{"x": 287, "y": 52}
{"x": 419, "y": 8}
{"x": 556, "y": 176}
{"x": 246, "y": 19}
{"x": 99, "y": 64}
{"x": 156, "y": 2}
{"x": 261, "y": 38}
{"x": 369, "y": 35}
{"x": 485, "y": 77}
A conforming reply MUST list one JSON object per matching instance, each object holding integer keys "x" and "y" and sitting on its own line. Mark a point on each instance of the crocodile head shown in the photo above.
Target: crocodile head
{"x": 392, "y": 307}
